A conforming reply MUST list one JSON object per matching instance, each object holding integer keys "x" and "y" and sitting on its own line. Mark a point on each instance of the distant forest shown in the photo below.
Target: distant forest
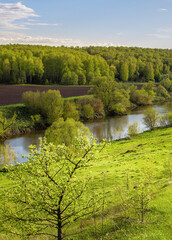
{"x": 20, "y": 64}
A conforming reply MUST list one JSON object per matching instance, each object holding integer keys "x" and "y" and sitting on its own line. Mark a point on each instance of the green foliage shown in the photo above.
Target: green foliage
{"x": 7, "y": 156}
{"x": 69, "y": 78}
{"x": 6, "y": 124}
{"x": 143, "y": 96}
{"x": 129, "y": 166}
{"x": 161, "y": 93}
{"x": 32, "y": 100}
{"x": 149, "y": 88}
{"x": 149, "y": 72}
{"x": 124, "y": 72}
{"x": 133, "y": 129}
{"x": 70, "y": 111}
{"x": 37, "y": 121}
{"x": 52, "y": 105}
{"x": 47, "y": 193}
{"x": 169, "y": 118}
{"x": 49, "y": 104}
{"x": 114, "y": 97}
{"x": 90, "y": 108}
{"x": 151, "y": 118}
{"x": 166, "y": 83}
{"x": 87, "y": 112}
{"x": 81, "y": 79}
{"x": 61, "y": 65}
{"x": 64, "y": 132}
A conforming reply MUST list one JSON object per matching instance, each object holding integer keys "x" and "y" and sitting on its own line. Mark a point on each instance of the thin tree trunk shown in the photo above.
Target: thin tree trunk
{"x": 59, "y": 225}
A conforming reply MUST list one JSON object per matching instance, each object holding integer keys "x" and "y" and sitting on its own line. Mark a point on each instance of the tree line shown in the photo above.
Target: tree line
{"x": 20, "y": 64}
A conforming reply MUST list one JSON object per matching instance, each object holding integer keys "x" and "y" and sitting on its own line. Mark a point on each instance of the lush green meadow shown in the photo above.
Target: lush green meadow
{"x": 124, "y": 171}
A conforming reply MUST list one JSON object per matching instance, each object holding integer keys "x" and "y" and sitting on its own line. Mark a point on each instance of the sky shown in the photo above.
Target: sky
{"x": 137, "y": 23}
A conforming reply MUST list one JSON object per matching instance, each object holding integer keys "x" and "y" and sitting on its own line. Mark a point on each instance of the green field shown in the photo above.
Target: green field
{"x": 145, "y": 160}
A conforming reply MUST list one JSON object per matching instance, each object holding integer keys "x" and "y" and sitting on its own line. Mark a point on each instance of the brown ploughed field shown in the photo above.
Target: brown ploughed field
{"x": 13, "y": 94}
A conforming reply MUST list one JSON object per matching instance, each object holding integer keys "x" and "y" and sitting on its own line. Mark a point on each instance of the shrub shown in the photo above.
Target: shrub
{"x": 88, "y": 112}
{"x": 70, "y": 111}
{"x": 113, "y": 95}
{"x": 169, "y": 118}
{"x": 6, "y": 124}
{"x": 52, "y": 105}
{"x": 133, "y": 129}
{"x": 97, "y": 108}
{"x": 166, "y": 83}
{"x": 32, "y": 100}
{"x": 65, "y": 131}
{"x": 151, "y": 118}
{"x": 162, "y": 93}
{"x": 49, "y": 104}
{"x": 141, "y": 97}
{"x": 37, "y": 121}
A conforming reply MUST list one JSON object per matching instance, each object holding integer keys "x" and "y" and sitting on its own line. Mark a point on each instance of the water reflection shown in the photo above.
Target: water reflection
{"x": 110, "y": 128}
{"x": 20, "y": 144}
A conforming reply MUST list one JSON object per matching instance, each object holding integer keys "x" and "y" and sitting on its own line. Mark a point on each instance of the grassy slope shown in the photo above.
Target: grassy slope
{"x": 139, "y": 159}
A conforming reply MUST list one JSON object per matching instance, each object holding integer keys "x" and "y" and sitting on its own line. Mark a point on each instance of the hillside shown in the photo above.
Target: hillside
{"x": 127, "y": 165}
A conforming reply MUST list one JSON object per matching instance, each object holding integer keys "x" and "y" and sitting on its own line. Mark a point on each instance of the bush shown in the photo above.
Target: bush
{"x": 151, "y": 118}
{"x": 113, "y": 95}
{"x": 49, "y": 104}
{"x": 133, "y": 129}
{"x": 162, "y": 93}
{"x": 37, "y": 121}
{"x": 141, "y": 97}
{"x": 65, "y": 131}
{"x": 169, "y": 118}
{"x": 95, "y": 107}
{"x": 87, "y": 112}
{"x": 52, "y": 105}
{"x": 6, "y": 124}
{"x": 32, "y": 100}
{"x": 98, "y": 107}
{"x": 70, "y": 111}
{"x": 166, "y": 83}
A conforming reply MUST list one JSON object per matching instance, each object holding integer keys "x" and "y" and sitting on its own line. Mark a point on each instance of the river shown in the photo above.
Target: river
{"x": 111, "y": 128}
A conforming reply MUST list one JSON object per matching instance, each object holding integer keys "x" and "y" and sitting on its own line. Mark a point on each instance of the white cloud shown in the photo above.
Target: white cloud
{"x": 11, "y": 15}
{"x": 11, "y": 12}
{"x": 33, "y": 23}
{"x": 160, "y": 36}
{"x": 164, "y": 30}
{"x": 163, "y": 10}
{"x": 20, "y": 38}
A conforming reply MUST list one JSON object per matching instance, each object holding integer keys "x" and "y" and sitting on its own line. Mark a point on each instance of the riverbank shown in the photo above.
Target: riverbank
{"x": 23, "y": 123}
{"x": 146, "y": 160}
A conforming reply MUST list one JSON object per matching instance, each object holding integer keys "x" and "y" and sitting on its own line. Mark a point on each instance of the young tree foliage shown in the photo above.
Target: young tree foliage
{"x": 48, "y": 192}
{"x": 64, "y": 132}
{"x": 114, "y": 97}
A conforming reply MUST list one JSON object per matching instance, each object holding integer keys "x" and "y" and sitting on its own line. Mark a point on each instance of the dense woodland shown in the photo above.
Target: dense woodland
{"x": 21, "y": 64}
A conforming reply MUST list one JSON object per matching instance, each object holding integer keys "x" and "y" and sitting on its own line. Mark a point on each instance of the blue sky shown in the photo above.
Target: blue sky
{"x": 142, "y": 23}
